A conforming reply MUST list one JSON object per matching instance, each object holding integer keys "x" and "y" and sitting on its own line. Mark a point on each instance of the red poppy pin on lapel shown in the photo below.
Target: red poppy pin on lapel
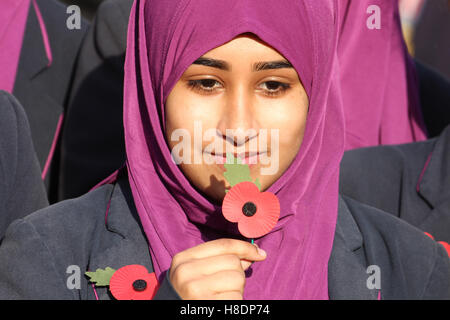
{"x": 132, "y": 282}
{"x": 444, "y": 244}
{"x": 255, "y": 212}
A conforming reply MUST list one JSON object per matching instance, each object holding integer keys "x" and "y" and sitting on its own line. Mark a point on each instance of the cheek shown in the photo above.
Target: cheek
{"x": 186, "y": 112}
{"x": 289, "y": 118}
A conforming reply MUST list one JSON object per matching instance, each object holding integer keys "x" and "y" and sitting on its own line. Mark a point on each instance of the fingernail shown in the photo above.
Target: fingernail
{"x": 261, "y": 252}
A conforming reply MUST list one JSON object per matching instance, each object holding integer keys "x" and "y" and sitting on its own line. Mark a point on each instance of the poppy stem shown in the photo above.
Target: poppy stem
{"x": 252, "y": 242}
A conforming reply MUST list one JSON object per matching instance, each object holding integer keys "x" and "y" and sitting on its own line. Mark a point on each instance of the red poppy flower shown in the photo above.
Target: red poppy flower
{"x": 445, "y": 244}
{"x": 255, "y": 212}
{"x": 133, "y": 282}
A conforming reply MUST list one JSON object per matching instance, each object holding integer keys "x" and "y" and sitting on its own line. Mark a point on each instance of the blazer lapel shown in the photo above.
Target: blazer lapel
{"x": 434, "y": 184}
{"x": 130, "y": 245}
{"x": 33, "y": 59}
{"x": 347, "y": 275}
{"x": 434, "y": 187}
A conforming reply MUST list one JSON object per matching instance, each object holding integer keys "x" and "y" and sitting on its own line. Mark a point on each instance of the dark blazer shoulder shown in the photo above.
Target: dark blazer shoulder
{"x": 75, "y": 220}
{"x": 412, "y": 265}
{"x": 42, "y": 247}
{"x": 388, "y": 158}
{"x": 379, "y": 175}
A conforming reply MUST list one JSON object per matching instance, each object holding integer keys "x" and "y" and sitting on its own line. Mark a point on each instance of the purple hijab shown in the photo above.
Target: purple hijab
{"x": 378, "y": 78}
{"x": 164, "y": 39}
{"x": 13, "y": 17}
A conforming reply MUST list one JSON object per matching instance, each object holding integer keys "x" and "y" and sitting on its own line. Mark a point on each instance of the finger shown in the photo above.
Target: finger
{"x": 202, "y": 267}
{"x": 224, "y": 281}
{"x": 207, "y": 286}
{"x": 230, "y": 295}
{"x": 244, "y": 250}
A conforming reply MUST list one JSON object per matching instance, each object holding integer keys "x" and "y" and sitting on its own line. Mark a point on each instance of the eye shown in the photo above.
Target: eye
{"x": 204, "y": 85}
{"x": 274, "y": 88}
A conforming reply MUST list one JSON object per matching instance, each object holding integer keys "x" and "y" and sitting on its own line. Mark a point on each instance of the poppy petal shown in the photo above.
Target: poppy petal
{"x": 429, "y": 235}
{"x": 121, "y": 283}
{"x": 446, "y": 246}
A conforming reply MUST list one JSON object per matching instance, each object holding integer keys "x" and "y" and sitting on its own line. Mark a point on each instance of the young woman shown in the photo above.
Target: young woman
{"x": 37, "y": 57}
{"x": 254, "y": 67}
{"x": 371, "y": 60}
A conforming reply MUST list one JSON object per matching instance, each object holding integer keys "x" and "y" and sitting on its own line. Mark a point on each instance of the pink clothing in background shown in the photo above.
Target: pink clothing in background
{"x": 13, "y": 18}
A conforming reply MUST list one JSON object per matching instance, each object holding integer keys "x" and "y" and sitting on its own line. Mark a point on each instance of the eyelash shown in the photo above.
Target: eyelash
{"x": 196, "y": 85}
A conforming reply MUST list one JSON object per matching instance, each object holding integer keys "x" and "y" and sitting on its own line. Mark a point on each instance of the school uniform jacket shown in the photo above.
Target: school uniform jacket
{"x": 43, "y": 78}
{"x": 21, "y": 188}
{"x": 38, "y": 250}
{"x": 93, "y": 143}
{"x": 410, "y": 181}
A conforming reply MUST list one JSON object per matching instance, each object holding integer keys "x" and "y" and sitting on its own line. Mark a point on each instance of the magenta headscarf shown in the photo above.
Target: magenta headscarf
{"x": 164, "y": 39}
{"x": 378, "y": 78}
{"x": 13, "y": 17}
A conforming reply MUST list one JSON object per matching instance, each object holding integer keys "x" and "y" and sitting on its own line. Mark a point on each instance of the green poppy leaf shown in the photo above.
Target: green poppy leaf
{"x": 236, "y": 172}
{"x": 101, "y": 277}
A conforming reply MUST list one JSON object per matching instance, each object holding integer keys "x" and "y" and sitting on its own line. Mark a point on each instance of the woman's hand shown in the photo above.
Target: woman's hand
{"x": 213, "y": 270}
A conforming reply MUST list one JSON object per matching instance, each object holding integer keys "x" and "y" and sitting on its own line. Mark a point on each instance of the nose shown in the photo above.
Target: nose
{"x": 238, "y": 123}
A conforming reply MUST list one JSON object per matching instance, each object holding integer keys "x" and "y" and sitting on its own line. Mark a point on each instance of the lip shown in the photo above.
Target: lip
{"x": 250, "y": 158}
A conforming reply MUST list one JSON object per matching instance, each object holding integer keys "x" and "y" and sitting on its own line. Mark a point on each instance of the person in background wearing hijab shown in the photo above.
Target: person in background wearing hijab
{"x": 93, "y": 153}
{"x": 379, "y": 82}
{"x": 410, "y": 181}
{"x": 37, "y": 57}
{"x": 222, "y": 65}
{"x": 21, "y": 187}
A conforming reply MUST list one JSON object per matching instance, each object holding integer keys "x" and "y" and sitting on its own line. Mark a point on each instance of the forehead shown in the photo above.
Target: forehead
{"x": 246, "y": 45}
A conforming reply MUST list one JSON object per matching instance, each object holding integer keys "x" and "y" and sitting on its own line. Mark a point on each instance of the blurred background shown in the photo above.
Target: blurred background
{"x": 426, "y": 27}
{"x": 88, "y": 7}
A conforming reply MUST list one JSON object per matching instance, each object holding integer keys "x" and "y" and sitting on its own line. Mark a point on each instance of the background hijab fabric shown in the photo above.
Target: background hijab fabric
{"x": 378, "y": 78}
{"x": 164, "y": 38}
{"x": 13, "y": 17}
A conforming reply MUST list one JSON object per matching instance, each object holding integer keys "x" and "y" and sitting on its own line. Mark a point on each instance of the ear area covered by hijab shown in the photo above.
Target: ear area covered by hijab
{"x": 164, "y": 38}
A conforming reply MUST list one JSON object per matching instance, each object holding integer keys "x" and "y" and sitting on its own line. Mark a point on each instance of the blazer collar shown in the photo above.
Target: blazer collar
{"x": 347, "y": 275}
{"x": 433, "y": 184}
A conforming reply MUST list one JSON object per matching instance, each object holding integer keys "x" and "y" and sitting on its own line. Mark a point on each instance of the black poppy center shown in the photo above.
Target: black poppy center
{"x": 249, "y": 209}
{"x": 139, "y": 285}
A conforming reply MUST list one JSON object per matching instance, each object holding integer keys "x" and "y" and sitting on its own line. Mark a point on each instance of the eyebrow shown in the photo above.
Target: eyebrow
{"x": 258, "y": 66}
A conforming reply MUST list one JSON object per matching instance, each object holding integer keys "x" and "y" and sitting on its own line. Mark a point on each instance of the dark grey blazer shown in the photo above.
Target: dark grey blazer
{"x": 42, "y": 89}
{"x": 410, "y": 181}
{"x": 93, "y": 144}
{"x": 21, "y": 188}
{"x": 37, "y": 251}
